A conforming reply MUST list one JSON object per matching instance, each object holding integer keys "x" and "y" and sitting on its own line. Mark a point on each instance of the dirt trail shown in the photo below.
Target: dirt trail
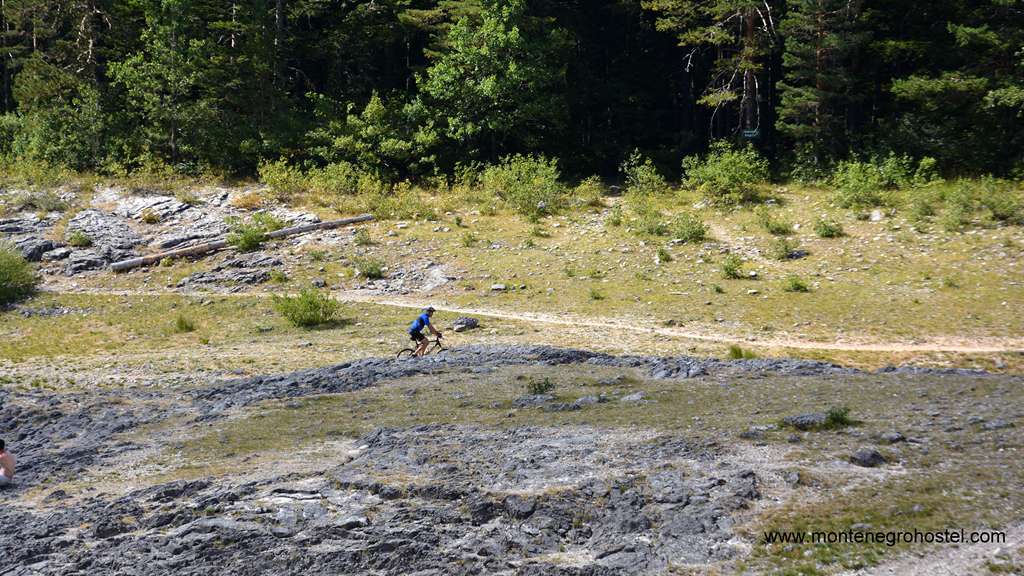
{"x": 977, "y": 346}
{"x": 940, "y": 344}
{"x": 965, "y": 559}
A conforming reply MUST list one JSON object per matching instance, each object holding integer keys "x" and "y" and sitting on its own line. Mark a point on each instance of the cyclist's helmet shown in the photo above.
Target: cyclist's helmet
{"x": 429, "y": 309}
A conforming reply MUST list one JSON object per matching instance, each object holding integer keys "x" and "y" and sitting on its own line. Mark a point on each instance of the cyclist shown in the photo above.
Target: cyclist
{"x": 416, "y": 330}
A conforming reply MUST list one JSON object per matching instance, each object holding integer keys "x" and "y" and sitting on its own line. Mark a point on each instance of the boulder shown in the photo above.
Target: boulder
{"x": 868, "y": 458}
{"x": 464, "y": 323}
{"x": 806, "y": 421}
{"x": 33, "y": 247}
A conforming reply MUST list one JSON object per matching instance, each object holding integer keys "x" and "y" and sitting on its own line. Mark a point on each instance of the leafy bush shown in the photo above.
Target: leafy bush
{"x": 401, "y": 202}
{"x": 79, "y": 239}
{"x": 688, "y": 227}
{"x": 664, "y": 255}
{"x": 595, "y": 294}
{"x": 527, "y": 184}
{"x": 468, "y": 239}
{"x": 727, "y": 175}
{"x": 828, "y": 228}
{"x": 772, "y": 224}
{"x": 539, "y": 387}
{"x": 1003, "y": 200}
{"x": 794, "y": 283}
{"x": 183, "y": 324}
{"x": 590, "y": 192}
{"x": 642, "y": 178}
{"x": 285, "y": 181}
{"x": 310, "y": 308}
{"x": 861, "y": 184}
{"x": 278, "y": 276}
{"x": 17, "y": 278}
{"x": 732, "y": 267}
{"x": 370, "y": 268}
{"x": 838, "y": 417}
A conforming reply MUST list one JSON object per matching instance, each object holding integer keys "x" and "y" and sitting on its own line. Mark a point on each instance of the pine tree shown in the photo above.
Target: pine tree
{"x": 821, "y": 39}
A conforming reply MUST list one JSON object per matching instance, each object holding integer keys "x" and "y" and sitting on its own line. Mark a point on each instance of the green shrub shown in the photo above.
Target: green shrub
{"x": 782, "y": 248}
{"x": 284, "y": 181}
{"x": 41, "y": 200}
{"x": 772, "y": 224}
{"x": 371, "y": 268}
{"x": 838, "y": 417}
{"x": 794, "y": 283}
{"x": 278, "y": 276}
{"x": 79, "y": 239}
{"x": 183, "y": 324}
{"x": 249, "y": 235}
{"x": 538, "y": 231}
{"x": 641, "y": 177}
{"x": 402, "y": 202}
{"x": 732, "y": 267}
{"x": 717, "y": 289}
{"x": 738, "y": 353}
{"x": 310, "y": 308}
{"x": 539, "y": 387}
{"x": 727, "y": 175}
{"x": 595, "y": 294}
{"x": 862, "y": 184}
{"x": 828, "y": 228}
{"x": 362, "y": 237}
{"x": 527, "y": 184}
{"x": 688, "y": 227}
{"x": 664, "y": 255}
{"x": 17, "y": 278}
{"x": 648, "y": 217}
{"x": 1003, "y": 200}
{"x": 468, "y": 239}
{"x": 590, "y": 192}
{"x": 615, "y": 216}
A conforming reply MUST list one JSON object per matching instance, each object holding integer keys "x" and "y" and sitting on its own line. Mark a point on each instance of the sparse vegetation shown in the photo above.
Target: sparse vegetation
{"x": 18, "y": 280}
{"x": 641, "y": 177}
{"x": 248, "y": 236}
{"x": 540, "y": 386}
{"x": 369, "y": 268}
{"x": 794, "y": 283}
{"x": 828, "y": 228}
{"x": 310, "y": 308}
{"x": 771, "y": 223}
{"x": 79, "y": 239}
{"x": 362, "y": 237}
{"x": 736, "y": 352}
{"x": 468, "y": 239}
{"x": 664, "y": 255}
{"x": 687, "y": 227}
{"x": 527, "y": 184}
{"x": 148, "y": 216}
{"x": 278, "y": 276}
{"x": 732, "y": 267}
{"x": 782, "y": 248}
{"x": 182, "y": 324}
{"x": 595, "y": 294}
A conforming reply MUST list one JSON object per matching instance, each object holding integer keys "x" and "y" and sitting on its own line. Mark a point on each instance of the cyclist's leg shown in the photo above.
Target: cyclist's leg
{"x": 421, "y": 343}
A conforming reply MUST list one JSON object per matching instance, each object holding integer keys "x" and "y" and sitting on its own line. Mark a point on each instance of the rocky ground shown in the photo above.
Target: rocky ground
{"x": 117, "y": 482}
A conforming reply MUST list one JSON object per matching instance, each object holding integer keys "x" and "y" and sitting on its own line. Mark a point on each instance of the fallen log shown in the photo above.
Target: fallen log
{"x": 220, "y": 244}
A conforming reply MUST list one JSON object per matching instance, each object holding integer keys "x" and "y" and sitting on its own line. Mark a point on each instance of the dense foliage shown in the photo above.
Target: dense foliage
{"x": 413, "y": 89}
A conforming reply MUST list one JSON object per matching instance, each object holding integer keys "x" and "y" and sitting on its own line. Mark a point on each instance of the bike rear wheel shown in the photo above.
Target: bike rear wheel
{"x": 405, "y": 353}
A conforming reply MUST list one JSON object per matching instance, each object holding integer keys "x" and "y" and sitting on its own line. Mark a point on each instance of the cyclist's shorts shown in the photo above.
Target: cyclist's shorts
{"x": 417, "y": 336}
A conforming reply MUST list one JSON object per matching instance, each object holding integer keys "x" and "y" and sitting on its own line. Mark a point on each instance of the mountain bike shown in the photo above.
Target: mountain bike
{"x": 434, "y": 347}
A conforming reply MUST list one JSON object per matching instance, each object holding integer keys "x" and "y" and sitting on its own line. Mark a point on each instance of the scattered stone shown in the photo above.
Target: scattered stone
{"x": 997, "y": 424}
{"x": 318, "y": 283}
{"x": 634, "y": 397}
{"x": 868, "y": 458}
{"x": 532, "y": 400}
{"x": 498, "y": 287}
{"x": 892, "y": 437}
{"x": 32, "y": 248}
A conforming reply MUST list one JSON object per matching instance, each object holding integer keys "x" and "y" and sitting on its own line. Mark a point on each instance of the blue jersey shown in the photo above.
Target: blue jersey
{"x": 421, "y": 322}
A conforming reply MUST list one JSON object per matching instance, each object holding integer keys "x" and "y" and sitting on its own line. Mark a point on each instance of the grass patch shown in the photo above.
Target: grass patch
{"x": 687, "y": 227}
{"x": 362, "y": 237}
{"x": 737, "y": 352}
{"x": 771, "y": 223}
{"x": 596, "y": 295}
{"x": 248, "y": 236}
{"x": 782, "y": 248}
